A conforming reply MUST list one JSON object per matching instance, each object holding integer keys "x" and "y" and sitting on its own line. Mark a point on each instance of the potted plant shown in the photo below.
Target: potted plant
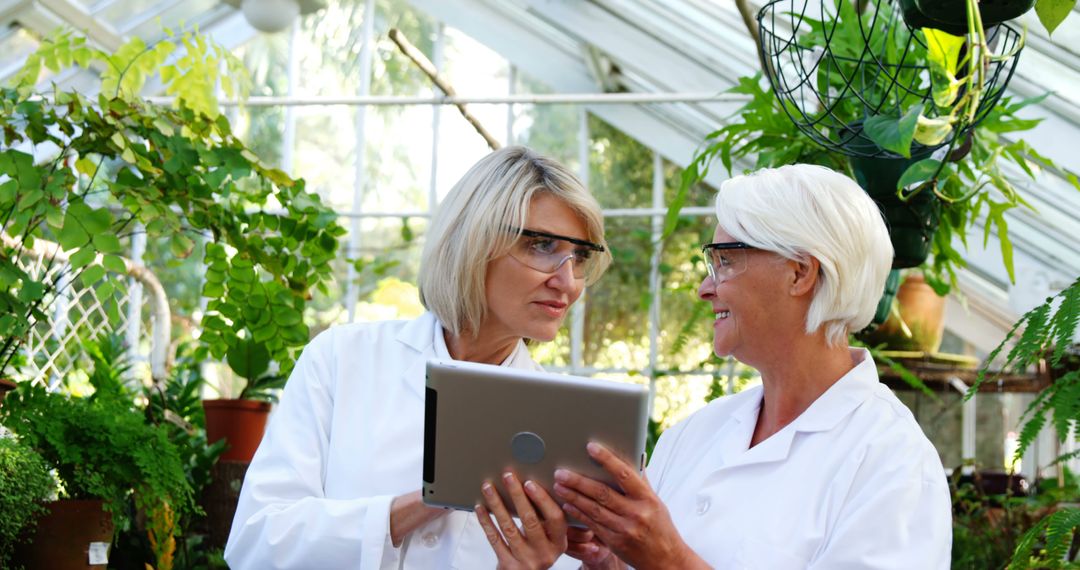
{"x": 105, "y": 454}
{"x": 25, "y": 487}
{"x": 181, "y": 173}
{"x": 241, "y": 421}
{"x": 916, "y": 322}
{"x": 974, "y": 183}
{"x": 951, "y": 15}
{"x": 5, "y": 387}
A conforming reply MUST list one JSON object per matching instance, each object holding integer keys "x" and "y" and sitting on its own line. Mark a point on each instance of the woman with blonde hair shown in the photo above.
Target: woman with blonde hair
{"x": 335, "y": 482}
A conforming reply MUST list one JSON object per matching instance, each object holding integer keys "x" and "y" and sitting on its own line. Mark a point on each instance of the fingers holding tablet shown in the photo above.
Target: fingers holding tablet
{"x": 542, "y": 536}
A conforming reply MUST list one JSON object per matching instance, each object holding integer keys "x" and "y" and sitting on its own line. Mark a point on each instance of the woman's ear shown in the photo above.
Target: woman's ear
{"x": 807, "y": 271}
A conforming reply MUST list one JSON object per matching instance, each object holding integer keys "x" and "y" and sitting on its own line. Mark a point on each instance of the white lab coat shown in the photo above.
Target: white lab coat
{"x": 851, "y": 483}
{"x": 345, "y": 440}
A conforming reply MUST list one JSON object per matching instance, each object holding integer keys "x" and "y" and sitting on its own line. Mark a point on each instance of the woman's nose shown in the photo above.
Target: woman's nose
{"x": 707, "y": 289}
{"x": 563, "y": 276}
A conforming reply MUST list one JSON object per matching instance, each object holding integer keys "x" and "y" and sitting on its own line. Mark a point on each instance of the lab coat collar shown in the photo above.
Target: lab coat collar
{"x": 418, "y": 334}
{"x": 421, "y": 335}
{"x": 832, "y": 407}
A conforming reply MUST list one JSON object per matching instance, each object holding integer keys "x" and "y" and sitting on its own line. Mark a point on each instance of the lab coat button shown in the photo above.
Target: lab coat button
{"x": 430, "y": 540}
{"x": 702, "y": 505}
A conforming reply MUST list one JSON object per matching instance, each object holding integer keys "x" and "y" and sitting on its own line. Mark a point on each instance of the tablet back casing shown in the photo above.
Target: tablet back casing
{"x": 482, "y": 420}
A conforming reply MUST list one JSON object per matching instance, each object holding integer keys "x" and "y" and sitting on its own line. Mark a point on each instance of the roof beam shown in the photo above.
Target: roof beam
{"x": 77, "y": 17}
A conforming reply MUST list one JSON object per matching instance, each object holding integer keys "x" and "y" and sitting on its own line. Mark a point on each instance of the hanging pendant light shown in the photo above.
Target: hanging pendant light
{"x": 272, "y": 16}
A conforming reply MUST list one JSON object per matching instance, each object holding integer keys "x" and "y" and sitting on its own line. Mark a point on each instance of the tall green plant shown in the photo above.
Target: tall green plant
{"x": 1045, "y": 332}
{"x": 85, "y": 173}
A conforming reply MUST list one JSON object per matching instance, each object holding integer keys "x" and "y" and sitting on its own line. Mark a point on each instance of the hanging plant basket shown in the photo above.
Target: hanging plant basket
{"x": 951, "y": 15}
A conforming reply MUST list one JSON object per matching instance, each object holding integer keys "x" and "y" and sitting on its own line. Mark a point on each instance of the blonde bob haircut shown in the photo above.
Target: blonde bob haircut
{"x": 475, "y": 224}
{"x": 806, "y": 210}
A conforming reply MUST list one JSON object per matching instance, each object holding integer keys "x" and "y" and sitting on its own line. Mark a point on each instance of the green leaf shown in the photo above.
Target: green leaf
{"x": 943, "y": 55}
{"x": 31, "y": 291}
{"x": 82, "y": 257}
{"x": 932, "y": 132}
{"x": 106, "y": 242}
{"x": 248, "y": 359}
{"x": 72, "y": 235}
{"x": 92, "y": 274}
{"x": 287, "y": 317}
{"x": 181, "y": 245}
{"x": 115, "y": 264}
{"x": 918, "y": 172}
{"x": 105, "y": 290}
{"x": 8, "y": 191}
{"x": 894, "y": 133}
{"x": 1053, "y": 12}
{"x": 213, "y": 290}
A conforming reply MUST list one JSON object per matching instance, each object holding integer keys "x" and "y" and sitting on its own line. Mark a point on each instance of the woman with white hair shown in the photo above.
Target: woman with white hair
{"x": 820, "y": 466}
{"x": 335, "y": 482}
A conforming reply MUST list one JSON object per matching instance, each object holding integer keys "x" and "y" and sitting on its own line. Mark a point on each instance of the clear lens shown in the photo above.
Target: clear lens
{"x": 547, "y": 254}
{"x": 725, "y": 263}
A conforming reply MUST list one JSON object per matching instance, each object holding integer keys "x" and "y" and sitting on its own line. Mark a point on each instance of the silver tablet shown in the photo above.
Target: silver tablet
{"x": 482, "y": 420}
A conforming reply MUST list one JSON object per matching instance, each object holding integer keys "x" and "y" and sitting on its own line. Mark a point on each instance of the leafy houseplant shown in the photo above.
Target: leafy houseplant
{"x": 100, "y": 169}
{"x": 101, "y": 448}
{"x": 25, "y": 485}
{"x": 179, "y": 172}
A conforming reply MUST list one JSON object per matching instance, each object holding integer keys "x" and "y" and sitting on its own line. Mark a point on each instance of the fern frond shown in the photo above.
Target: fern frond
{"x": 1066, "y": 457}
{"x": 1031, "y": 429}
{"x": 1029, "y": 346}
{"x": 993, "y": 357}
{"x": 1059, "y": 532}
{"x": 1026, "y": 545}
{"x": 1066, "y": 403}
{"x": 1066, "y": 320}
{"x": 685, "y": 332}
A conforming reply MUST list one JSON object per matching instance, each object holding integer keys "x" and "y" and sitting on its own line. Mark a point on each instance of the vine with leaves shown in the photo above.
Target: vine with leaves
{"x": 87, "y": 172}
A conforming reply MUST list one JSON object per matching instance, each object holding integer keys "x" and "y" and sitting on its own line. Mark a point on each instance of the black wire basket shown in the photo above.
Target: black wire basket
{"x": 833, "y": 65}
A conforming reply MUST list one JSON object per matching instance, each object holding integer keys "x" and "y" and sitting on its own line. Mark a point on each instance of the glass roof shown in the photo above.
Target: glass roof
{"x": 688, "y": 46}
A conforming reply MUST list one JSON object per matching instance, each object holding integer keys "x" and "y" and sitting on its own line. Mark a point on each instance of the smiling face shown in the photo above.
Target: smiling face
{"x": 747, "y": 305}
{"x": 523, "y": 302}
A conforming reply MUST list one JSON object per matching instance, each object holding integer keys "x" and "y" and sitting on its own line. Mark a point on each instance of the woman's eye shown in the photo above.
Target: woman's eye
{"x": 724, "y": 261}
{"x": 542, "y": 245}
{"x": 582, "y": 255}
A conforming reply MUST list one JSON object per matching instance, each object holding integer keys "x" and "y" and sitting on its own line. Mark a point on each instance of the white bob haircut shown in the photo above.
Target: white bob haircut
{"x": 805, "y": 210}
{"x": 475, "y": 224}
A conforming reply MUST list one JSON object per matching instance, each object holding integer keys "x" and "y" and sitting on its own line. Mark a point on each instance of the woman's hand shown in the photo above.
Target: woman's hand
{"x": 635, "y": 525}
{"x": 593, "y": 554}
{"x": 408, "y": 513}
{"x": 542, "y": 537}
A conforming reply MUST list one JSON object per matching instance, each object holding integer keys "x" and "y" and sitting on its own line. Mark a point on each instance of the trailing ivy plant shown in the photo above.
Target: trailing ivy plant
{"x": 1046, "y": 333}
{"x": 760, "y": 130}
{"x": 87, "y": 172}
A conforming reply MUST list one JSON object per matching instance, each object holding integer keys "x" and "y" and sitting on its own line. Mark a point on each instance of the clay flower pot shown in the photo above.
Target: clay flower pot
{"x": 240, "y": 422}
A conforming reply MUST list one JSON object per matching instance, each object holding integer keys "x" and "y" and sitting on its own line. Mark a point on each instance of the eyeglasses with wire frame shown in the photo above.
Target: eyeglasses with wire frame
{"x": 547, "y": 252}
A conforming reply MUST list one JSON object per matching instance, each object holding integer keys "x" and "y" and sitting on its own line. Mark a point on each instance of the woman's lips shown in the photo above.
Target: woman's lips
{"x": 553, "y": 309}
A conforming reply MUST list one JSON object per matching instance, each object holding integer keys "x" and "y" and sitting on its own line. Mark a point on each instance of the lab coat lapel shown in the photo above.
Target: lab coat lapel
{"x": 417, "y": 335}
{"x": 826, "y": 413}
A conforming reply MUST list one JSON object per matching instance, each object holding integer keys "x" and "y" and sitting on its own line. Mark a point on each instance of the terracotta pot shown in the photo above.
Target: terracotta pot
{"x": 5, "y": 387}
{"x": 68, "y": 536}
{"x": 241, "y": 423}
{"x": 922, "y": 310}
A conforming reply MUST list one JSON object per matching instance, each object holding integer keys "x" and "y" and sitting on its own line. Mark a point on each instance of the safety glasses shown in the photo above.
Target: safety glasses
{"x": 725, "y": 260}
{"x": 548, "y": 252}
